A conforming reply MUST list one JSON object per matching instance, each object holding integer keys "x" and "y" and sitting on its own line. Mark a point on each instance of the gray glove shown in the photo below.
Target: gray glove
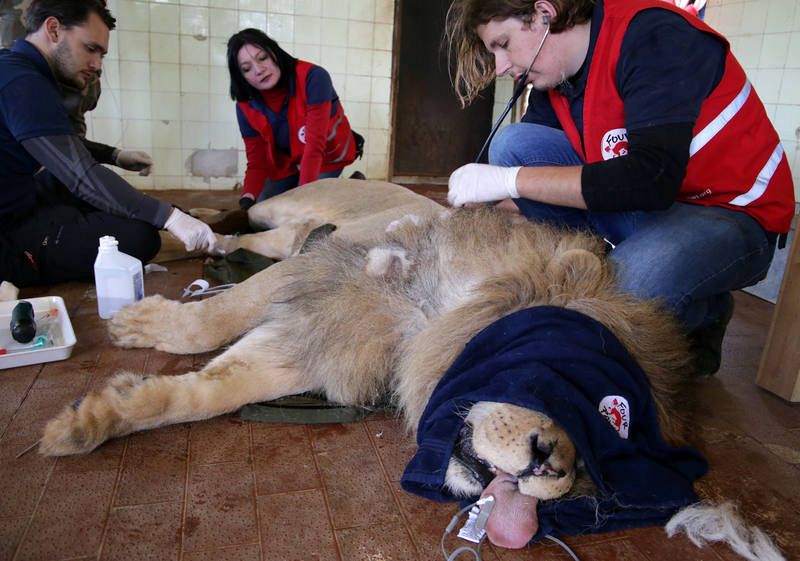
{"x": 134, "y": 160}
{"x": 194, "y": 233}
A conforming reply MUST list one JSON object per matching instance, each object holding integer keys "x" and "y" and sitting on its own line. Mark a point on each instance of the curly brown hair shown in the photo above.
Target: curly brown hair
{"x": 474, "y": 64}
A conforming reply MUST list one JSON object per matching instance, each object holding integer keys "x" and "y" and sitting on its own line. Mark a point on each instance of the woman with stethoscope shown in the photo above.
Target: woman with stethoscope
{"x": 630, "y": 134}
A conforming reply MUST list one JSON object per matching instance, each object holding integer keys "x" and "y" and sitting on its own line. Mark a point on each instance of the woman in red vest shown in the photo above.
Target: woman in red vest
{"x": 291, "y": 119}
{"x": 641, "y": 127}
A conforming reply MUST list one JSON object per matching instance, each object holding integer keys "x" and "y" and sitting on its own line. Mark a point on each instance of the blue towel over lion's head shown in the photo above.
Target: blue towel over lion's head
{"x": 574, "y": 370}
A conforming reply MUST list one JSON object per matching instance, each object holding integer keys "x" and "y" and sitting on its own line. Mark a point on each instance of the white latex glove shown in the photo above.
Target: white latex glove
{"x": 482, "y": 183}
{"x": 134, "y": 160}
{"x": 194, "y": 233}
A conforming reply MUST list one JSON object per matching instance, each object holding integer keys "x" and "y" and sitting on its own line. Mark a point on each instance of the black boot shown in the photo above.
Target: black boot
{"x": 706, "y": 342}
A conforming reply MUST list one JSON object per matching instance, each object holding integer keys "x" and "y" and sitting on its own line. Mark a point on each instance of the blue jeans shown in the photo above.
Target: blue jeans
{"x": 272, "y": 188}
{"x": 688, "y": 256}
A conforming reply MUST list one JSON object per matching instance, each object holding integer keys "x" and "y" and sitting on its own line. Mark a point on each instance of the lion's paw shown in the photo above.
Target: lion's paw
{"x": 525, "y": 444}
{"x": 143, "y": 323}
{"x": 70, "y": 433}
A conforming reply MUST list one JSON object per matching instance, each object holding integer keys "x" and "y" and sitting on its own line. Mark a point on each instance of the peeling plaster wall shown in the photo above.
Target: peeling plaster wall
{"x": 165, "y": 80}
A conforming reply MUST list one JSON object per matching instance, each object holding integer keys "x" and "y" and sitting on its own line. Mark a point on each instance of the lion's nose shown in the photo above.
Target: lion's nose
{"x": 540, "y": 451}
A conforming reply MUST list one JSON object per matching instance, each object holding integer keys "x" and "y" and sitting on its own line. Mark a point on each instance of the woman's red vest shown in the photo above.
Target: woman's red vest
{"x": 340, "y": 147}
{"x": 736, "y": 158}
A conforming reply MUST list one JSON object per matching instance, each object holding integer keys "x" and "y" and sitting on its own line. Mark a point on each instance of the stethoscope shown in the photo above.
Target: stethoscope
{"x": 517, "y": 91}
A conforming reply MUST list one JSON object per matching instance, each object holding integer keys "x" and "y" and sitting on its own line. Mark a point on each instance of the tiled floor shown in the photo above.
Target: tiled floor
{"x": 227, "y": 490}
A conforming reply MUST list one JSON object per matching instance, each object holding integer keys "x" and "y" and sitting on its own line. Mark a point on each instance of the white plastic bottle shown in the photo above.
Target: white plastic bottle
{"x": 118, "y": 278}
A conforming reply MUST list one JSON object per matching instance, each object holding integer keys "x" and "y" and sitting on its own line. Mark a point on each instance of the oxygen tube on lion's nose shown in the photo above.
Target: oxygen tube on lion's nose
{"x": 474, "y": 530}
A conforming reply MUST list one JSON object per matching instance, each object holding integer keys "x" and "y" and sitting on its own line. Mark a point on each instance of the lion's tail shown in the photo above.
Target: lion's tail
{"x": 707, "y": 522}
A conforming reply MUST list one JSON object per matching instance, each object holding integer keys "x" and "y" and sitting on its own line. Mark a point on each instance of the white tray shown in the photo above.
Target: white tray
{"x": 59, "y": 328}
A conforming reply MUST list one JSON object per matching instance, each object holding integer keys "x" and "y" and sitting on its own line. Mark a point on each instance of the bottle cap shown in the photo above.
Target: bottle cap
{"x": 108, "y": 242}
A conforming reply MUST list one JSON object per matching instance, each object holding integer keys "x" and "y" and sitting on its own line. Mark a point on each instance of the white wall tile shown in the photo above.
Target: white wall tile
{"x": 218, "y": 51}
{"x": 308, "y": 29}
{"x": 358, "y": 114}
{"x": 282, "y": 6}
{"x": 222, "y": 109}
{"x": 226, "y": 135}
{"x": 361, "y": 10}
{"x": 257, "y": 20}
{"x": 136, "y": 104}
{"x": 134, "y": 75}
{"x": 383, "y": 36}
{"x": 381, "y": 90}
{"x": 793, "y": 54}
{"x": 790, "y": 87}
{"x": 334, "y": 33}
{"x": 222, "y": 23}
{"x": 311, "y": 53}
{"x": 358, "y": 88}
{"x": 334, "y": 9}
{"x": 384, "y": 11}
{"x": 193, "y": 50}
{"x": 133, "y": 16}
{"x": 109, "y": 105}
{"x": 359, "y": 34}
{"x": 134, "y": 45}
{"x": 334, "y": 59}
{"x": 194, "y": 107}
{"x": 281, "y": 27}
{"x": 194, "y": 78}
{"x": 747, "y": 49}
{"x": 164, "y": 18}
{"x": 774, "y": 50}
{"x": 137, "y": 134}
{"x": 220, "y": 82}
{"x": 359, "y": 62}
{"x": 107, "y": 131}
{"x": 308, "y": 7}
{"x": 253, "y": 5}
{"x": 165, "y": 134}
{"x": 195, "y": 135}
{"x": 767, "y": 83}
{"x": 787, "y": 122}
{"x": 752, "y": 16}
{"x": 165, "y": 47}
{"x": 780, "y": 15}
{"x": 165, "y": 77}
{"x": 110, "y": 76}
{"x": 380, "y": 116}
{"x": 194, "y": 21}
{"x": 382, "y": 63}
{"x": 166, "y": 106}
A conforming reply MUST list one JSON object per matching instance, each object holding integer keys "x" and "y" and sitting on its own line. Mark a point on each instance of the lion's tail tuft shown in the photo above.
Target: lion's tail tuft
{"x": 707, "y": 522}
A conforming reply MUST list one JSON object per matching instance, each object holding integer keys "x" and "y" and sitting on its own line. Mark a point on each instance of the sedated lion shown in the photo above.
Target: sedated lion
{"x": 385, "y": 306}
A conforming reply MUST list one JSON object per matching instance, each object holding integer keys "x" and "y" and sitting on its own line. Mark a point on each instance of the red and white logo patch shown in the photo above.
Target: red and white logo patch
{"x": 614, "y": 144}
{"x": 301, "y": 134}
{"x": 615, "y": 409}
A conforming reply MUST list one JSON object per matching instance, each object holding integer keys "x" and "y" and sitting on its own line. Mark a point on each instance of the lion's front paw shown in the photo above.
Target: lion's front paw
{"x": 69, "y": 434}
{"x": 525, "y": 444}
{"x": 143, "y": 323}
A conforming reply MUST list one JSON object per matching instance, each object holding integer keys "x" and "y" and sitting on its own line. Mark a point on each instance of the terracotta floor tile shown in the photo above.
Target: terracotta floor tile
{"x": 338, "y": 436}
{"x": 296, "y": 526}
{"x": 357, "y": 490}
{"x": 70, "y": 518}
{"x": 11, "y": 530}
{"x": 387, "y": 542}
{"x": 395, "y": 446}
{"x": 220, "y": 508}
{"x": 23, "y": 480}
{"x": 14, "y": 386}
{"x": 146, "y": 532}
{"x": 154, "y": 467}
{"x": 236, "y": 553}
{"x": 222, "y": 439}
{"x": 283, "y": 460}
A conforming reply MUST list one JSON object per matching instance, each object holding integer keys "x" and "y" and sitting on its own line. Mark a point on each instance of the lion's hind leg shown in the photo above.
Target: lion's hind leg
{"x": 249, "y": 371}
